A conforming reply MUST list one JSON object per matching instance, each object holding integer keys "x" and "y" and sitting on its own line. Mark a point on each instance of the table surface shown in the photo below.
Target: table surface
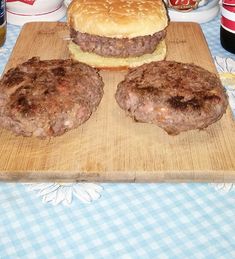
{"x": 117, "y": 220}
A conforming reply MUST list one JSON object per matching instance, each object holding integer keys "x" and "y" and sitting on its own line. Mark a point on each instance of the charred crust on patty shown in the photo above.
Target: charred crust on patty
{"x": 58, "y": 71}
{"x": 177, "y": 102}
{"x": 175, "y": 96}
{"x": 46, "y": 98}
{"x": 14, "y": 78}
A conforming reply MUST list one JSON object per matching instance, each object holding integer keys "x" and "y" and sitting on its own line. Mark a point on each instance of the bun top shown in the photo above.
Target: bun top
{"x": 117, "y": 18}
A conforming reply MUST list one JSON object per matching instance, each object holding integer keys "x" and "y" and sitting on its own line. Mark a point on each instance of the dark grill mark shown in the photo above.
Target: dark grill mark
{"x": 177, "y": 102}
{"x": 22, "y": 101}
{"x": 23, "y": 105}
{"x": 58, "y": 71}
{"x": 14, "y": 78}
{"x": 212, "y": 98}
{"x": 149, "y": 89}
{"x": 46, "y": 92}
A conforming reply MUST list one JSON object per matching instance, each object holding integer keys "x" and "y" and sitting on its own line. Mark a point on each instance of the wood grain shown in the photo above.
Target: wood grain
{"x": 110, "y": 146}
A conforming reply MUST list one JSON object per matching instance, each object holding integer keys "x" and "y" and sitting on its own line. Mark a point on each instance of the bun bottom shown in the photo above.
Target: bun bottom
{"x": 97, "y": 61}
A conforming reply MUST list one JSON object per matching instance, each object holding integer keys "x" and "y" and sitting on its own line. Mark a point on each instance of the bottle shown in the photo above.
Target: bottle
{"x": 3, "y": 23}
{"x": 227, "y": 28}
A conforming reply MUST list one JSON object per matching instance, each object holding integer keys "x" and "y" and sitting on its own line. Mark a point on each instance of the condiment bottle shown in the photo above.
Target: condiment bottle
{"x": 3, "y": 23}
{"x": 227, "y": 28}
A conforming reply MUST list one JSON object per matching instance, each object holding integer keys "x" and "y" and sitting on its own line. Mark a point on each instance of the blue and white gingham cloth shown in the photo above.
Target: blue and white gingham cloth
{"x": 128, "y": 221}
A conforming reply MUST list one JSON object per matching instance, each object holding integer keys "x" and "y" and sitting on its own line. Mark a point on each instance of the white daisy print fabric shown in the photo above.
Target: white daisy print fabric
{"x": 64, "y": 193}
{"x": 226, "y": 69}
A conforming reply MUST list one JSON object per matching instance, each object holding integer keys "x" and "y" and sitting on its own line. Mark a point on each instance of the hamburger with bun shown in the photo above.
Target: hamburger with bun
{"x": 116, "y": 34}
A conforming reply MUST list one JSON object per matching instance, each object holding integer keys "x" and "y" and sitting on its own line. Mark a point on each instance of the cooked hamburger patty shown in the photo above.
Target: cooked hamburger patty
{"x": 175, "y": 96}
{"x": 115, "y": 47}
{"x": 49, "y": 97}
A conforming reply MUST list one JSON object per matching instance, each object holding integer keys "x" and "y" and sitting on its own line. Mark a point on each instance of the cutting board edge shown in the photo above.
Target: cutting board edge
{"x": 121, "y": 176}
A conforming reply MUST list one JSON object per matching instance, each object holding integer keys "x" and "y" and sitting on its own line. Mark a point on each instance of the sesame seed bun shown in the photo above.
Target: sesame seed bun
{"x": 117, "y": 18}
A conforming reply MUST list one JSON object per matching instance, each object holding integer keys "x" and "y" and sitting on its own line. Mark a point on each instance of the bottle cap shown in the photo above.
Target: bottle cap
{"x": 228, "y": 15}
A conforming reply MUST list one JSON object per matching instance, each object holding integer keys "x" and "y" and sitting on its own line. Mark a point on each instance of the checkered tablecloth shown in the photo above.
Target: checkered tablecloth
{"x": 127, "y": 221}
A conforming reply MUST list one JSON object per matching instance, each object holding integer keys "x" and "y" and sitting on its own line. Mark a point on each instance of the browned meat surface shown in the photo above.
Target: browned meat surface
{"x": 175, "y": 96}
{"x": 115, "y": 47}
{"x": 48, "y": 98}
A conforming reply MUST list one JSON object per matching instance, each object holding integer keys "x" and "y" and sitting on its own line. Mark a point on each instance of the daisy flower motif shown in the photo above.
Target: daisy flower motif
{"x": 64, "y": 193}
{"x": 226, "y": 69}
{"x": 67, "y": 2}
{"x": 223, "y": 187}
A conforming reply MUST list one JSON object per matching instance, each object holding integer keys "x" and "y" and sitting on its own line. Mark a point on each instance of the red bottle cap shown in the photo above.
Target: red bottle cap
{"x": 228, "y": 15}
{"x": 229, "y": 2}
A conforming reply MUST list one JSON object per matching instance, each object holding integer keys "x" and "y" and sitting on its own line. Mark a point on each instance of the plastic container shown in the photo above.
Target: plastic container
{"x": 205, "y": 12}
{"x": 20, "y": 12}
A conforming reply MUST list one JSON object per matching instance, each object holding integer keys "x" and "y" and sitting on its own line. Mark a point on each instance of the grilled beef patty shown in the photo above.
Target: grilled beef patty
{"x": 114, "y": 47}
{"x": 175, "y": 96}
{"x": 49, "y": 97}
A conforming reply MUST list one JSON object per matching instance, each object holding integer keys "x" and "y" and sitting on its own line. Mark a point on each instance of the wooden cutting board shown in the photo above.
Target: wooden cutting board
{"x": 110, "y": 146}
